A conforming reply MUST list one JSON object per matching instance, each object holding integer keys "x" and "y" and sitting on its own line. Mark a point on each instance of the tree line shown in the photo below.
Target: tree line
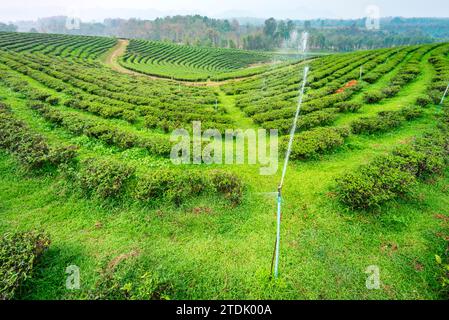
{"x": 325, "y": 34}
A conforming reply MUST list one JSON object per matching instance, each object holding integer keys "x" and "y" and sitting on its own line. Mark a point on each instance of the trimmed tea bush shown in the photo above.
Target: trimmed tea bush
{"x": 384, "y": 121}
{"x": 372, "y": 97}
{"x": 391, "y": 91}
{"x": 104, "y": 178}
{"x": 374, "y": 184}
{"x": 317, "y": 118}
{"x": 229, "y": 185}
{"x": 30, "y": 148}
{"x": 310, "y": 144}
{"x": 392, "y": 176}
{"x": 173, "y": 185}
{"x": 348, "y": 106}
{"x": 176, "y": 186}
{"x": 411, "y": 112}
{"x": 19, "y": 253}
{"x": 423, "y": 100}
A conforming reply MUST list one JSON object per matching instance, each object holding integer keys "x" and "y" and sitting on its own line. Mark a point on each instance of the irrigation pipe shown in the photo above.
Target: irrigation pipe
{"x": 287, "y": 157}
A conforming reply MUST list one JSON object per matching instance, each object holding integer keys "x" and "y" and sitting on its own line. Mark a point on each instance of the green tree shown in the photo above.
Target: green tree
{"x": 270, "y": 27}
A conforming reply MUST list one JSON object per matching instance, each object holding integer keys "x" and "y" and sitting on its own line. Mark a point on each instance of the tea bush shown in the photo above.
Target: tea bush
{"x": 423, "y": 100}
{"x": 30, "y": 148}
{"x": 165, "y": 183}
{"x": 372, "y": 97}
{"x": 394, "y": 175}
{"x": 348, "y": 106}
{"x": 19, "y": 253}
{"x": 102, "y": 130}
{"x": 229, "y": 185}
{"x": 411, "y": 112}
{"x": 384, "y": 121}
{"x": 391, "y": 91}
{"x": 176, "y": 186}
{"x": 104, "y": 178}
{"x": 374, "y": 184}
{"x": 310, "y": 144}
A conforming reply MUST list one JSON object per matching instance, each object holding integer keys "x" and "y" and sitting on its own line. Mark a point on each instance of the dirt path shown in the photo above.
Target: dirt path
{"x": 114, "y": 54}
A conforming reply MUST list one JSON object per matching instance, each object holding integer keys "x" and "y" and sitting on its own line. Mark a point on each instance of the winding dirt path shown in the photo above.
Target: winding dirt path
{"x": 114, "y": 54}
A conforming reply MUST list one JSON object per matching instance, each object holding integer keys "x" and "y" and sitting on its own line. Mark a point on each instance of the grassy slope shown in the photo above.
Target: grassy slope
{"x": 227, "y": 253}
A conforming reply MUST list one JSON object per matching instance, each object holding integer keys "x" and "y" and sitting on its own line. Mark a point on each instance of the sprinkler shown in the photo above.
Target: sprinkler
{"x": 287, "y": 157}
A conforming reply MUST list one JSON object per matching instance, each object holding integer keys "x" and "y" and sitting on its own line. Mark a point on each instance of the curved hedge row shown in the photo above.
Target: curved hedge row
{"x": 108, "y": 178}
{"x": 31, "y": 149}
{"x": 80, "y": 47}
{"x": 385, "y": 120}
{"x": 98, "y": 91}
{"x": 184, "y": 62}
{"x": 102, "y": 130}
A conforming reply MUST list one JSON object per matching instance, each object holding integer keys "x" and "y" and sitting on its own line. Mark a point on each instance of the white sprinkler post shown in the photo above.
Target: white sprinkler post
{"x": 304, "y": 40}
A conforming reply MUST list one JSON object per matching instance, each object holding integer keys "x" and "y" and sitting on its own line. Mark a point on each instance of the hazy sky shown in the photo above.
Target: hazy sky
{"x": 11, "y": 10}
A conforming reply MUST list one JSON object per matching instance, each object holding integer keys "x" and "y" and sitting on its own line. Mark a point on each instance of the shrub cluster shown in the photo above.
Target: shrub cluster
{"x": 105, "y": 178}
{"x": 308, "y": 121}
{"x": 229, "y": 185}
{"x": 177, "y": 186}
{"x": 19, "y": 253}
{"x": 30, "y": 148}
{"x": 348, "y": 106}
{"x": 441, "y": 79}
{"x": 392, "y": 176}
{"x": 102, "y": 130}
{"x": 109, "y": 178}
{"x": 424, "y": 100}
{"x": 384, "y": 121}
{"x": 310, "y": 144}
{"x": 372, "y": 97}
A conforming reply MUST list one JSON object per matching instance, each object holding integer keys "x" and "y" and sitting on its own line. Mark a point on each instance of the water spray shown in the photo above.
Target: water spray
{"x": 303, "y": 49}
{"x": 444, "y": 95}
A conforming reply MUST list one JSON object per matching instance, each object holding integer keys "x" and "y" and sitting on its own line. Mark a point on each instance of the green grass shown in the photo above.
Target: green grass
{"x": 226, "y": 253}
{"x": 237, "y": 116}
